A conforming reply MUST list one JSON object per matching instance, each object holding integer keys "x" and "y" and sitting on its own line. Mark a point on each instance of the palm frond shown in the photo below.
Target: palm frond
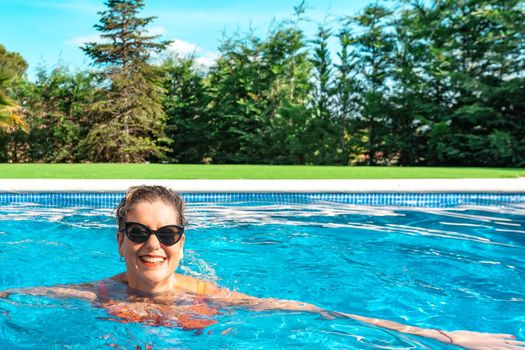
{"x": 12, "y": 119}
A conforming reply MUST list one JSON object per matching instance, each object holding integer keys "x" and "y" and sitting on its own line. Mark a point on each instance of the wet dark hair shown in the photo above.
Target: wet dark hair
{"x": 144, "y": 193}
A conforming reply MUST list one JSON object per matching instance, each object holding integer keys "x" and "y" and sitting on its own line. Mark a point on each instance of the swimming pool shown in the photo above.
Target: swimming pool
{"x": 450, "y": 262}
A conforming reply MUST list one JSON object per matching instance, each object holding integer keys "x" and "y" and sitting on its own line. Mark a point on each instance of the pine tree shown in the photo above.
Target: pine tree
{"x": 411, "y": 107}
{"x": 322, "y": 127}
{"x": 129, "y": 118}
{"x": 289, "y": 114}
{"x": 374, "y": 46}
{"x": 475, "y": 64}
{"x": 346, "y": 94}
{"x": 185, "y": 104}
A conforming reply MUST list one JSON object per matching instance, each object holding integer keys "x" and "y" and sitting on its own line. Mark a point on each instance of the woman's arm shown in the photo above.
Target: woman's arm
{"x": 80, "y": 291}
{"x": 465, "y": 339}
{"x": 230, "y": 298}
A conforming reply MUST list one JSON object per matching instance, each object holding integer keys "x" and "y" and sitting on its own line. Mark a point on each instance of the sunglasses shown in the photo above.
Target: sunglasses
{"x": 167, "y": 235}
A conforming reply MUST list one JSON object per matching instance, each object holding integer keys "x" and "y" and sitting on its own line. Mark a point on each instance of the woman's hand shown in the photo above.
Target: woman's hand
{"x": 485, "y": 341}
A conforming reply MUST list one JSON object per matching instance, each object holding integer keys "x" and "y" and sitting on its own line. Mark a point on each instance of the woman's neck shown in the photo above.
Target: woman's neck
{"x": 147, "y": 289}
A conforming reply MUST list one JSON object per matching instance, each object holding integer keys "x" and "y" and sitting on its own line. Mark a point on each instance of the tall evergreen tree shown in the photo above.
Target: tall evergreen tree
{"x": 289, "y": 116}
{"x": 289, "y": 139}
{"x": 346, "y": 93}
{"x": 322, "y": 128}
{"x": 477, "y": 47}
{"x": 237, "y": 85}
{"x": 410, "y": 112}
{"x": 129, "y": 120}
{"x": 186, "y": 107}
{"x": 374, "y": 46}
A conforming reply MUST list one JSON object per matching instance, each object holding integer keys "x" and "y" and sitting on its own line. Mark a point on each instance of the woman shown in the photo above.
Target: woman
{"x": 151, "y": 239}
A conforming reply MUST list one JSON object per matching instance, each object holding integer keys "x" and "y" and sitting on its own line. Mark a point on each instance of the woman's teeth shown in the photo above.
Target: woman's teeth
{"x": 151, "y": 259}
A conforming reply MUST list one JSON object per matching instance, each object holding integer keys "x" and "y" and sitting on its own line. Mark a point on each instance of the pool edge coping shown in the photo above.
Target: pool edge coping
{"x": 476, "y": 185}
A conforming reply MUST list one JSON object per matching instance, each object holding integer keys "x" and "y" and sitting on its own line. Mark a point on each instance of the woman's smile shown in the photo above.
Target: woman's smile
{"x": 152, "y": 260}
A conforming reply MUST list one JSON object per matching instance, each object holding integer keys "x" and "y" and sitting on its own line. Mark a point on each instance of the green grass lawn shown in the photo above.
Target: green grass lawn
{"x": 190, "y": 171}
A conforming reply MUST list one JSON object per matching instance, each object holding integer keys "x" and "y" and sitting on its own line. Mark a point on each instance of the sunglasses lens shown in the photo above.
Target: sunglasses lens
{"x": 169, "y": 235}
{"x": 137, "y": 233}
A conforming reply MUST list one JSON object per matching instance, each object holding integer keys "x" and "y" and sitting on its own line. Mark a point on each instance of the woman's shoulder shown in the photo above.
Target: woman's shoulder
{"x": 184, "y": 283}
{"x": 121, "y": 277}
{"x": 114, "y": 287}
{"x": 195, "y": 285}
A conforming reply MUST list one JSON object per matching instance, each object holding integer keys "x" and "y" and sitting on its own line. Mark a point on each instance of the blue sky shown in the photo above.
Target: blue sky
{"x": 46, "y": 32}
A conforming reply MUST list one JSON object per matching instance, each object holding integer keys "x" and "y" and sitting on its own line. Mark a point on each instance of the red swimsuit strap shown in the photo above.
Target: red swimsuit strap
{"x": 201, "y": 288}
{"x": 201, "y": 292}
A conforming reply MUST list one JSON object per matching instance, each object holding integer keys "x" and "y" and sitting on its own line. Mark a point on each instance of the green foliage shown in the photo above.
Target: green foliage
{"x": 346, "y": 95}
{"x": 57, "y": 112}
{"x": 129, "y": 120}
{"x": 12, "y": 66}
{"x": 259, "y": 94}
{"x": 406, "y": 140}
{"x": 374, "y": 45}
{"x": 238, "y": 84}
{"x": 474, "y": 52}
{"x": 289, "y": 114}
{"x": 185, "y": 104}
{"x": 437, "y": 82}
{"x": 322, "y": 128}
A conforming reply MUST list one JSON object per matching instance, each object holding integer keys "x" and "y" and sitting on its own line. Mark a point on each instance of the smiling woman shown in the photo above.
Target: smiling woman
{"x": 151, "y": 239}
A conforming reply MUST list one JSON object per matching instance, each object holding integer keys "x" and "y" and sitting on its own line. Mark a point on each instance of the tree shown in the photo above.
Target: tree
{"x": 289, "y": 113}
{"x": 185, "y": 104}
{"x": 411, "y": 108}
{"x": 237, "y": 85}
{"x": 129, "y": 121}
{"x": 347, "y": 91}
{"x": 475, "y": 54}
{"x": 323, "y": 131}
{"x": 374, "y": 46}
{"x": 57, "y": 110}
{"x": 259, "y": 98}
{"x": 12, "y": 65}
{"x": 288, "y": 139}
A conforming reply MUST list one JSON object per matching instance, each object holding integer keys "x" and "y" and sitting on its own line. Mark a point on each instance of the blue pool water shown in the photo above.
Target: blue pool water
{"x": 457, "y": 267}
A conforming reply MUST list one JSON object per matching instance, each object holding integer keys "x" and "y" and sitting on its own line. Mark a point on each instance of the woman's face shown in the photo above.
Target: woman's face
{"x": 151, "y": 265}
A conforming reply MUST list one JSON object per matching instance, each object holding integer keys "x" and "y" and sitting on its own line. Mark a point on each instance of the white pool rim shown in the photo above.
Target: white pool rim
{"x": 512, "y": 185}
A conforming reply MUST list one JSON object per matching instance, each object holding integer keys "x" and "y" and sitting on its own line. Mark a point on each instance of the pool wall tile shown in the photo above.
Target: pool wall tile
{"x": 430, "y": 200}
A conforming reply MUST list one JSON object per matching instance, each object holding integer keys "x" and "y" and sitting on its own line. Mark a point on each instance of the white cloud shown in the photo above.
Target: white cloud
{"x": 156, "y": 31}
{"x": 183, "y": 48}
{"x": 203, "y": 59}
{"x": 208, "y": 60}
{"x": 82, "y": 40}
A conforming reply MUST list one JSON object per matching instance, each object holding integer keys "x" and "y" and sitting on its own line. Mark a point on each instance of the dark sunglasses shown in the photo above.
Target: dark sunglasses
{"x": 167, "y": 235}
